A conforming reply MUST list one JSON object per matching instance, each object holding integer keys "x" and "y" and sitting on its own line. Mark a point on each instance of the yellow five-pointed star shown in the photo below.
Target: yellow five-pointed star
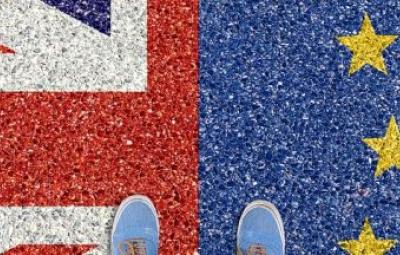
{"x": 367, "y": 47}
{"x": 387, "y": 147}
{"x": 367, "y": 244}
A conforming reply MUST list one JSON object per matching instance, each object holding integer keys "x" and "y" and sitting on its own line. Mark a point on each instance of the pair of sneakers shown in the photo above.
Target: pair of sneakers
{"x": 136, "y": 229}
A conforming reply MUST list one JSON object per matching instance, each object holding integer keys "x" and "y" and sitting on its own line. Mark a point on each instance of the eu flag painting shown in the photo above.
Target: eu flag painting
{"x": 300, "y": 107}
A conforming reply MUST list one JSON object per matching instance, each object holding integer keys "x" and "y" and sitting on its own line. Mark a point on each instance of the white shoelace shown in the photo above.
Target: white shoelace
{"x": 256, "y": 249}
{"x": 132, "y": 247}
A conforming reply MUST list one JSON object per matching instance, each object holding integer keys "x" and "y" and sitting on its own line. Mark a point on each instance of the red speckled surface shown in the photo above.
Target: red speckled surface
{"x": 50, "y": 249}
{"x": 6, "y": 50}
{"x": 94, "y": 149}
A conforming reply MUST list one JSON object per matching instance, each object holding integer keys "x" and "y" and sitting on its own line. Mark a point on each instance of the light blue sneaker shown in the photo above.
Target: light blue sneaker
{"x": 260, "y": 230}
{"x": 136, "y": 228}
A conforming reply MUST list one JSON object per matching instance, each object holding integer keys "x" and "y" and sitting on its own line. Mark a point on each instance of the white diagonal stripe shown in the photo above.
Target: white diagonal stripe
{"x": 56, "y": 225}
{"x": 55, "y": 52}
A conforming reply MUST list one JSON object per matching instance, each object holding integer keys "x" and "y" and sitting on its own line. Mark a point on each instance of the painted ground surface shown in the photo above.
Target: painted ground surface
{"x": 298, "y": 105}
{"x": 68, "y": 158}
{"x": 281, "y": 119}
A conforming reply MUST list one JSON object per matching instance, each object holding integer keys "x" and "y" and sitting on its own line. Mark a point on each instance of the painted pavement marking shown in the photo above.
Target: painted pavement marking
{"x": 55, "y": 52}
{"x": 56, "y": 225}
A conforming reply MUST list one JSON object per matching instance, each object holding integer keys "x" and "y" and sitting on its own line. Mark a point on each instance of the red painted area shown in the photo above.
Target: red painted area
{"x": 6, "y": 50}
{"x": 50, "y": 249}
{"x": 98, "y": 148}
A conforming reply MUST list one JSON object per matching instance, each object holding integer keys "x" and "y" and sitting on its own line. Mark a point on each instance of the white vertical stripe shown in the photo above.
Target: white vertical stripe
{"x": 56, "y": 225}
{"x": 55, "y": 52}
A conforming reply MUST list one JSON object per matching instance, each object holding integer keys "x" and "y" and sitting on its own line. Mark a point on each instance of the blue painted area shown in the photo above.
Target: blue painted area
{"x": 282, "y": 120}
{"x": 94, "y": 13}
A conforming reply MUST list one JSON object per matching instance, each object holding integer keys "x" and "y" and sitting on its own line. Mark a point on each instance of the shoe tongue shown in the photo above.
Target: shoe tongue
{"x": 135, "y": 246}
{"x": 256, "y": 249}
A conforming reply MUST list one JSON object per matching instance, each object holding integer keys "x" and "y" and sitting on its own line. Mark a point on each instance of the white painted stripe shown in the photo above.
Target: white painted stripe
{"x": 56, "y": 225}
{"x": 55, "y": 52}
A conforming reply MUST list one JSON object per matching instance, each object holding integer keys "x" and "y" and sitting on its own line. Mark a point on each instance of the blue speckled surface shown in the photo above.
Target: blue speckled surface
{"x": 282, "y": 120}
{"x": 93, "y": 13}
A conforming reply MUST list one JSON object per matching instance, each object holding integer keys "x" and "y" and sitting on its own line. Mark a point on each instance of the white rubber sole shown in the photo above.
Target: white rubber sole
{"x": 269, "y": 207}
{"x": 127, "y": 201}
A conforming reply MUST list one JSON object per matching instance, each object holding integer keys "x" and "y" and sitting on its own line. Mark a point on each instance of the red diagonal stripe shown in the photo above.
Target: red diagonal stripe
{"x": 43, "y": 249}
{"x": 6, "y": 50}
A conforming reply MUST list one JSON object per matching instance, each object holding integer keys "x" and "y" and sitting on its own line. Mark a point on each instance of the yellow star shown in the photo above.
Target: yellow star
{"x": 367, "y": 47}
{"x": 367, "y": 244}
{"x": 388, "y": 148}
